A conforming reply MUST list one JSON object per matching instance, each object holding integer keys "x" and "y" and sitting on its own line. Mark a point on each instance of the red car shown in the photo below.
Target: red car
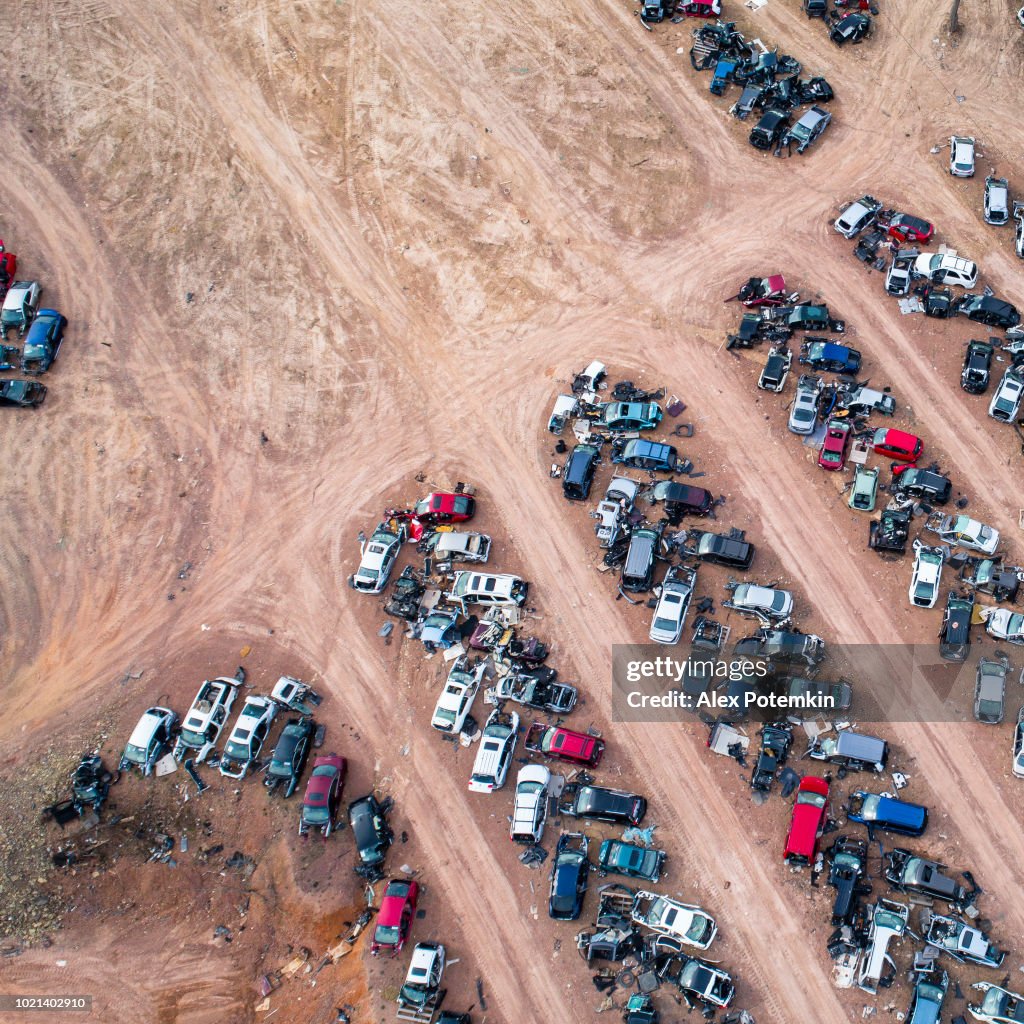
{"x": 443, "y": 507}
{"x": 395, "y": 917}
{"x": 897, "y": 444}
{"x": 8, "y": 265}
{"x": 564, "y": 744}
{"x": 323, "y": 793}
{"x": 905, "y": 228}
{"x": 700, "y": 8}
{"x": 834, "y": 448}
{"x": 810, "y": 813}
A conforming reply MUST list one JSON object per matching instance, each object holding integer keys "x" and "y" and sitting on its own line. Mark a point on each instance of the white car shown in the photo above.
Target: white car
{"x": 458, "y": 694}
{"x": 426, "y": 969}
{"x": 803, "y": 413}
{"x": 997, "y": 201}
{"x": 966, "y": 533}
{"x": 763, "y": 602}
{"x": 674, "y": 603}
{"x": 961, "y": 156}
{"x": 379, "y": 554}
{"x": 689, "y": 924}
{"x": 206, "y": 718}
{"x": 1018, "y": 746}
{"x": 530, "y": 808}
{"x": 1005, "y": 404}
{"x": 246, "y": 739}
{"x": 494, "y": 755}
{"x": 617, "y": 504}
{"x": 149, "y": 739}
{"x": 857, "y": 216}
{"x": 1018, "y": 227}
{"x": 941, "y": 268}
{"x": 1004, "y": 624}
{"x": 927, "y": 574}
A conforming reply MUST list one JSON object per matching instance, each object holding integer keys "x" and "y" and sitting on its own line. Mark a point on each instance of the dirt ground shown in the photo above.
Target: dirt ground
{"x": 318, "y": 258}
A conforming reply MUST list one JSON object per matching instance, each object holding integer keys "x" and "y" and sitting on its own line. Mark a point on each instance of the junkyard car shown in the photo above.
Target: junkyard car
{"x": 839, "y": 695}
{"x": 459, "y": 546}
{"x": 682, "y": 499}
{"x": 1006, "y": 402}
{"x": 906, "y": 228}
{"x": 26, "y": 393}
{"x": 293, "y": 746}
{"x": 965, "y": 532}
{"x": 1017, "y": 764}
{"x": 811, "y": 124}
{"x": 776, "y": 369}
{"x": 826, "y": 355}
{"x": 962, "y": 942}
{"x": 206, "y": 718}
{"x": 689, "y": 924}
{"x": 706, "y": 983}
{"x": 803, "y": 413}
{"x": 835, "y": 445}
{"x": 673, "y": 604}
{"x": 537, "y": 688}
{"x": 530, "y": 807}
{"x": 898, "y": 277}
{"x": 1000, "y": 1005}
{"x": 423, "y": 979}
{"x": 370, "y": 830}
{"x": 456, "y": 700}
{"x": 602, "y": 804}
{"x": 880, "y": 813}
{"x": 997, "y": 201}
{"x": 618, "y": 416}
{"x": 472, "y": 587}
{"x": 150, "y": 740}
{"x": 404, "y": 602}
{"x": 497, "y": 746}
{"x": 1004, "y": 624}
{"x": 942, "y": 268}
{"x": 848, "y": 855}
{"x": 862, "y": 401}
{"x": 851, "y": 752}
{"x": 927, "y": 999}
{"x": 20, "y": 305}
{"x": 395, "y": 917}
{"x": 775, "y": 743}
{"x": 642, "y": 454}
{"x": 323, "y": 793}
{"x": 782, "y": 645}
{"x": 43, "y": 341}
{"x": 955, "y": 638}
{"x": 857, "y": 216}
{"x": 864, "y": 492}
{"x": 808, "y": 821}
{"x": 961, "y": 156}
{"x": 990, "y": 689}
{"x": 926, "y": 575}
{"x": 440, "y": 628}
{"x": 812, "y": 316}
{"x": 247, "y": 737}
{"x": 569, "y": 872}
{"x": 722, "y": 550}
{"x": 906, "y": 871}
{"x": 770, "y": 129}
{"x": 896, "y": 444}
{"x": 619, "y": 858}
{"x": 612, "y": 511}
{"x": 851, "y": 29}
{"x": 987, "y": 309}
{"x": 760, "y": 602}
{"x": 578, "y": 472}
{"x": 977, "y": 369}
{"x": 938, "y": 303}
{"x": 564, "y": 744}
{"x": 445, "y": 507}
{"x": 378, "y": 559}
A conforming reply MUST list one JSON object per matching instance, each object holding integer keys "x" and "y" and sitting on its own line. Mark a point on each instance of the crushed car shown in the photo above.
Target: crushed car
{"x": 962, "y": 942}
{"x": 150, "y": 740}
{"x": 206, "y": 718}
{"x": 27, "y": 394}
{"x": 776, "y": 739}
{"x": 847, "y": 875}
{"x": 908, "y": 872}
{"x": 964, "y": 532}
{"x": 537, "y": 688}
{"x": 246, "y": 739}
{"x": 891, "y": 532}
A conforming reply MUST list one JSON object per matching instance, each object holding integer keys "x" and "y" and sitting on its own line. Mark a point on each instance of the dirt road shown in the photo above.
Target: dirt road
{"x": 383, "y": 240}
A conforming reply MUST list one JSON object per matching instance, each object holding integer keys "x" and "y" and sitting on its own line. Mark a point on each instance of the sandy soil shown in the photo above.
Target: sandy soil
{"x": 384, "y": 240}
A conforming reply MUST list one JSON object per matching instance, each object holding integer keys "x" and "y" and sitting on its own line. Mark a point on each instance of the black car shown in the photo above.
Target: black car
{"x": 784, "y": 646}
{"x": 723, "y": 550}
{"x": 815, "y": 8}
{"x": 26, "y": 393}
{"x": 938, "y": 302}
{"x": 772, "y": 126}
{"x": 922, "y": 483}
{"x": 578, "y": 474}
{"x": 290, "y": 755}
{"x": 775, "y": 743}
{"x": 851, "y": 29}
{"x": 891, "y": 532}
{"x": 847, "y": 876}
{"x": 404, "y": 602}
{"x": 653, "y": 11}
{"x": 977, "y": 369}
{"x": 955, "y": 638}
{"x": 909, "y": 873}
{"x": 371, "y": 832}
{"x": 601, "y": 804}
{"x": 682, "y": 500}
{"x": 987, "y": 309}
{"x": 569, "y": 873}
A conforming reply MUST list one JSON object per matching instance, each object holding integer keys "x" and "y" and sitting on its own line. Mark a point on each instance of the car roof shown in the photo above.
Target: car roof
{"x": 891, "y": 436}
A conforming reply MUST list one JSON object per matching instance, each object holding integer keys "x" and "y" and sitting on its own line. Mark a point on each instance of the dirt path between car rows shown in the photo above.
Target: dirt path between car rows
{"x": 310, "y": 251}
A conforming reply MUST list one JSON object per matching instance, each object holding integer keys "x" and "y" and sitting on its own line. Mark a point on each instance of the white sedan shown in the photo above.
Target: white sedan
{"x": 927, "y": 575}
{"x": 690, "y": 925}
{"x": 379, "y": 554}
{"x": 457, "y": 696}
{"x": 674, "y": 603}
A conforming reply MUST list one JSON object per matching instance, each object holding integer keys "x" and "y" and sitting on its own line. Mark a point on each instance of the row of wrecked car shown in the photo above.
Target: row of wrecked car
{"x": 40, "y": 331}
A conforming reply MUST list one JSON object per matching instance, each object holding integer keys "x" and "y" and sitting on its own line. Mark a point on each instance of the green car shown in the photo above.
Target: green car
{"x": 865, "y": 489}
{"x": 623, "y": 416}
{"x": 633, "y": 861}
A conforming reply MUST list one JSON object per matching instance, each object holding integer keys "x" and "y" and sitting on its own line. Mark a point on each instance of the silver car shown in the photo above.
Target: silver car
{"x": 990, "y": 689}
{"x": 997, "y": 201}
{"x": 857, "y": 216}
{"x": 764, "y": 602}
{"x": 808, "y": 128}
{"x": 803, "y": 413}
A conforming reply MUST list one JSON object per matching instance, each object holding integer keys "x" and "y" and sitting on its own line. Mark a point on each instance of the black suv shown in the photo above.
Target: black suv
{"x": 922, "y": 483}
{"x": 602, "y": 804}
{"x": 977, "y": 369}
{"x": 775, "y": 743}
{"x": 578, "y": 474}
{"x": 847, "y": 876}
{"x": 713, "y": 547}
{"x": 955, "y": 638}
{"x": 371, "y": 833}
{"x": 987, "y": 309}
{"x": 772, "y": 126}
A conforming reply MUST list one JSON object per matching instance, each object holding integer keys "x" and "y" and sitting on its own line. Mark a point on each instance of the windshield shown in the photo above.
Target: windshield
{"x": 134, "y": 753}
{"x": 804, "y": 413}
{"x": 813, "y": 799}
{"x": 315, "y": 815}
{"x": 444, "y": 715}
{"x": 386, "y": 936}
{"x": 192, "y": 739}
{"x": 698, "y": 928}
{"x": 665, "y": 625}
{"x": 869, "y": 808}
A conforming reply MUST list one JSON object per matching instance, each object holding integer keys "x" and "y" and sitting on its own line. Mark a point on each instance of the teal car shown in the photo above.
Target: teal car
{"x": 621, "y": 416}
{"x": 620, "y": 858}
{"x": 864, "y": 492}
{"x": 926, "y": 1002}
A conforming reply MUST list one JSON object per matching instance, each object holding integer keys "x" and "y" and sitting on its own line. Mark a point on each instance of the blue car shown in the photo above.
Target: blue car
{"x": 440, "y": 629}
{"x": 926, "y": 1002}
{"x": 641, "y": 454}
{"x": 826, "y": 355}
{"x": 621, "y": 858}
{"x": 886, "y": 814}
{"x": 43, "y": 341}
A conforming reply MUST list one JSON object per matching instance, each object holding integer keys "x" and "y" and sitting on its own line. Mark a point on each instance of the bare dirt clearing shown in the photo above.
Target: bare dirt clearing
{"x": 382, "y": 241}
